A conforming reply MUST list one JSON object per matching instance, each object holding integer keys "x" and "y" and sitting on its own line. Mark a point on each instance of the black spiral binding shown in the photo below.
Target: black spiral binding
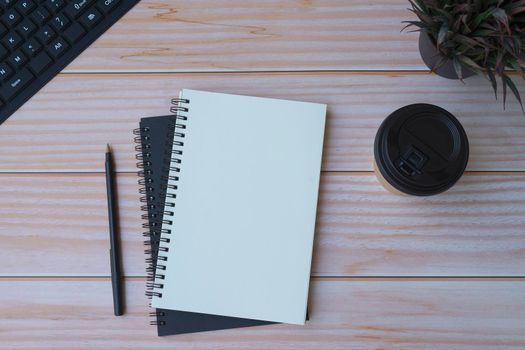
{"x": 155, "y": 206}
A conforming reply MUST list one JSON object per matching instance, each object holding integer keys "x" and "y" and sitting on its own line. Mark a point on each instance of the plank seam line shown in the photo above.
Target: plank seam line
{"x": 312, "y": 277}
{"x": 249, "y": 72}
{"x": 125, "y": 172}
{"x": 258, "y": 72}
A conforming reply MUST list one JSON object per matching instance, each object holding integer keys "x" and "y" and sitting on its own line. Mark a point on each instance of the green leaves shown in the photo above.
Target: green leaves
{"x": 508, "y": 82}
{"x": 458, "y": 68}
{"x": 484, "y": 36}
{"x": 482, "y": 17}
{"x": 493, "y": 81}
{"x": 442, "y": 35}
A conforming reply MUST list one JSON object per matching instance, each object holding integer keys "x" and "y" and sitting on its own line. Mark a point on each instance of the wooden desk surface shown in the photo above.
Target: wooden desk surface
{"x": 389, "y": 272}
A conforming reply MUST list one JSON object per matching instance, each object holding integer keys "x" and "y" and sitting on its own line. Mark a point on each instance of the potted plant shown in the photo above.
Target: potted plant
{"x": 462, "y": 38}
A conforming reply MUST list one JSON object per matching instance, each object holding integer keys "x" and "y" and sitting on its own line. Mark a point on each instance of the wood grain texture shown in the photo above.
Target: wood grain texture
{"x": 56, "y": 225}
{"x": 226, "y": 35}
{"x": 344, "y": 314}
{"x": 66, "y": 126}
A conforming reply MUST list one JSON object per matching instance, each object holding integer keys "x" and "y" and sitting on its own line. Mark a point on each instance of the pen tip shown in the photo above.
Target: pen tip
{"x": 108, "y": 149}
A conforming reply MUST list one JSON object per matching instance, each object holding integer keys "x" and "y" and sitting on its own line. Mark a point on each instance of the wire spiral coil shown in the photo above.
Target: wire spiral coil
{"x": 158, "y": 201}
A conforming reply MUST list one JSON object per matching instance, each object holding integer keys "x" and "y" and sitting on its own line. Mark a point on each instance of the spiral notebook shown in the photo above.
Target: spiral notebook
{"x": 238, "y": 223}
{"x": 153, "y": 139}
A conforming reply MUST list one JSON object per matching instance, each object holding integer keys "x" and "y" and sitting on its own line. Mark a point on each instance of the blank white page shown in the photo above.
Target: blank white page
{"x": 243, "y": 226}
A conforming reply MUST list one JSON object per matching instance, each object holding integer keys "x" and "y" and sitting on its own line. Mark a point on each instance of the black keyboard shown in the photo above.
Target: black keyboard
{"x": 41, "y": 37}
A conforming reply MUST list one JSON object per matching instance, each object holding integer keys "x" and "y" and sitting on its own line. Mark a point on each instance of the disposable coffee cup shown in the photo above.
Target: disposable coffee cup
{"x": 420, "y": 150}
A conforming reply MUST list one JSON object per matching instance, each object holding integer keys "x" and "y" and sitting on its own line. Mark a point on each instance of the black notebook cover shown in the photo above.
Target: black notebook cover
{"x": 154, "y": 147}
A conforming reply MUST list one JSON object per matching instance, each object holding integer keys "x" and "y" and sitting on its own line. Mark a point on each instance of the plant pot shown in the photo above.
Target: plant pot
{"x": 431, "y": 57}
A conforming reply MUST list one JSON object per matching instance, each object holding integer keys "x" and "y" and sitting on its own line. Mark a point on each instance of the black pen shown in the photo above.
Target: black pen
{"x": 114, "y": 253}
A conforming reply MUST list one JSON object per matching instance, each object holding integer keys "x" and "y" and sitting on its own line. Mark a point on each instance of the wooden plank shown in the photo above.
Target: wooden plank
{"x": 227, "y": 35}
{"x": 476, "y": 229}
{"x": 66, "y": 126}
{"x": 344, "y": 314}
{"x": 57, "y": 225}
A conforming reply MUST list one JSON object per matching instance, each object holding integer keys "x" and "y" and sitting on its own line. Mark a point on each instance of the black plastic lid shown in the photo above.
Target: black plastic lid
{"x": 421, "y": 150}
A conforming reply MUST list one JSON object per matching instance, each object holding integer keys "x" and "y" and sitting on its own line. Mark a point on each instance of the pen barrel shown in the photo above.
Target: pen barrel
{"x": 116, "y": 285}
{"x": 110, "y": 189}
{"x": 114, "y": 252}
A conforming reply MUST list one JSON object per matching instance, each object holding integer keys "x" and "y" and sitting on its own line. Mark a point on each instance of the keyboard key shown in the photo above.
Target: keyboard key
{"x": 5, "y": 4}
{"x": 26, "y": 28}
{"x": 45, "y": 34}
{"x": 91, "y": 18}
{"x": 25, "y": 6}
{"x": 3, "y": 29}
{"x": 5, "y": 71}
{"x": 74, "y": 33}
{"x": 60, "y": 22}
{"x": 17, "y": 60}
{"x": 40, "y": 62}
{"x": 40, "y": 16}
{"x": 11, "y": 18}
{"x": 15, "y": 84}
{"x": 12, "y": 40}
{"x": 31, "y": 47}
{"x": 106, "y": 6}
{"x": 54, "y": 5}
{"x": 76, "y": 7}
{"x": 57, "y": 48}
